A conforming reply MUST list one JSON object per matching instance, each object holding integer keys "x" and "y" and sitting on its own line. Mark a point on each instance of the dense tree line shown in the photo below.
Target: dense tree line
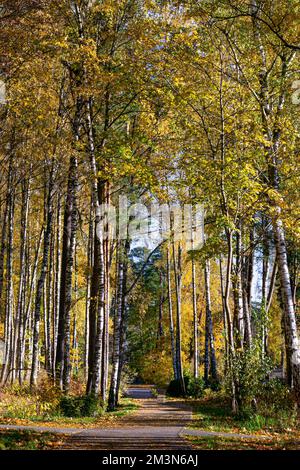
{"x": 173, "y": 102}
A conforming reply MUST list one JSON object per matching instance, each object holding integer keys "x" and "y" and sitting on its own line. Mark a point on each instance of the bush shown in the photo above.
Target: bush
{"x": 80, "y": 406}
{"x": 276, "y": 394}
{"x": 174, "y": 389}
{"x": 25, "y": 408}
{"x": 194, "y": 388}
{"x": 22, "y": 402}
{"x": 213, "y": 384}
{"x": 249, "y": 374}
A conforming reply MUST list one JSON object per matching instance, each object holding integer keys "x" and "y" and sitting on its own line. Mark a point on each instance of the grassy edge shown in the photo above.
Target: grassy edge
{"x": 29, "y": 440}
{"x": 125, "y": 408}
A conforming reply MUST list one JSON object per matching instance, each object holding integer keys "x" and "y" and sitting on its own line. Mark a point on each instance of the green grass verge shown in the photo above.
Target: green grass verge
{"x": 213, "y": 413}
{"x": 221, "y": 443}
{"x": 27, "y": 440}
{"x": 126, "y": 407}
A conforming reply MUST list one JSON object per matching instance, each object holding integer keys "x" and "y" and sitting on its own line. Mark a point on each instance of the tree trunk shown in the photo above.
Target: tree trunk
{"x": 239, "y": 318}
{"x": 273, "y": 135}
{"x": 8, "y": 332}
{"x": 40, "y": 284}
{"x": 160, "y": 329}
{"x": 195, "y": 321}
{"x": 107, "y": 264}
{"x": 18, "y": 359}
{"x": 3, "y": 250}
{"x": 171, "y": 321}
{"x": 177, "y": 274}
{"x": 99, "y": 274}
{"x": 210, "y": 363}
{"x": 88, "y": 291}
{"x": 56, "y": 285}
{"x": 112, "y": 399}
{"x": 292, "y": 340}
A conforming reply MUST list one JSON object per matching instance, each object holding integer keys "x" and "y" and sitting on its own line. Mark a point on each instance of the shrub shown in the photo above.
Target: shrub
{"x": 213, "y": 384}
{"x": 25, "y": 408}
{"x": 276, "y": 394}
{"x": 21, "y": 402}
{"x": 194, "y": 388}
{"x": 174, "y": 389}
{"x": 249, "y": 374}
{"x": 80, "y": 406}
{"x": 127, "y": 377}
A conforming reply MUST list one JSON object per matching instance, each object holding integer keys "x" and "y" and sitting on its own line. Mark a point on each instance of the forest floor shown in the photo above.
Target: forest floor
{"x": 214, "y": 427}
{"x": 155, "y": 423}
{"x": 28, "y": 440}
{"x": 63, "y": 423}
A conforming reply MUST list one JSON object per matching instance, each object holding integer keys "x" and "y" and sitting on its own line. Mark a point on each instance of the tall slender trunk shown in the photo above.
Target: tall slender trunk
{"x": 49, "y": 308}
{"x": 124, "y": 318}
{"x": 112, "y": 399}
{"x": 239, "y": 318}
{"x": 19, "y": 322}
{"x": 107, "y": 264}
{"x": 224, "y": 317}
{"x": 265, "y": 277}
{"x": 69, "y": 273}
{"x": 8, "y": 326}
{"x": 3, "y": 250}
{"x": 56, "y": 294}
{"x": 96, "y": 366}
{"x": 230, "y": 335}
{"x": 41, "y": 281}
{"x": 272, "y": 285}
{"x": 178, "y": 275}
{"x": 292, "y": 339}
{"x": 210, "y": 363}
{"x": 160, "y": 329}
{"x": 88, "y": 290}
{"x": 195, "y": 320}
{"x": 98, "y": 280}
{"x": 27, "y": 312}
{"x": 63, "y": 363}
{"x": 171, "y": 320}
{"x": 247, "y": 277}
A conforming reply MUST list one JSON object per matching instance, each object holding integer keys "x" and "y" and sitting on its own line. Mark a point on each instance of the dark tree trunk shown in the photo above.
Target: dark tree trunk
{"x": 112, "y": 399}
{"x": 8, "y": 326}
{"x": 2, "y": 251}
{"x": 63, "y": 365}
{"x": 178, "y": 275}
{"x": 171, "y": 320}
{"x": 41, "y": 281}
{"x": 210, "y": 362}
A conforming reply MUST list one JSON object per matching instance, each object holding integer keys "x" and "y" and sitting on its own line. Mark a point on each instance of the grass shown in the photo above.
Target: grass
{"x": 126, "y": 407}
{"x": 224, "y": 443}
{"x": 280, "y": 429}
{"x": 28, "y": 440}
{"x": 213, "y": 413}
